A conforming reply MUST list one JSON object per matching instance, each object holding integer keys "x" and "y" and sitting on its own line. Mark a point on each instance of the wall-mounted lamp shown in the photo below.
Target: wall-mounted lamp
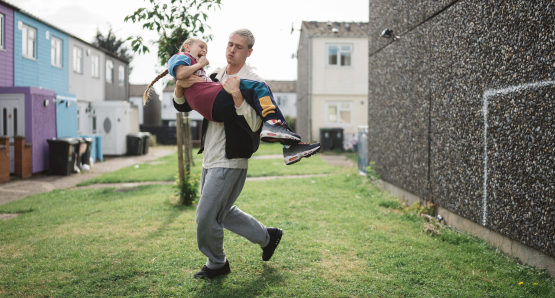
{"x": 388, "y": 33}
{"x": 89, "y": 108}
{"x": 46, "y": 103}
{"x": 68, "y": 103}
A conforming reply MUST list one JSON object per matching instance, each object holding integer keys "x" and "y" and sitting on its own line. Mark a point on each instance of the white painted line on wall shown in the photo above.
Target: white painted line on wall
{"x": 485, "y": 99}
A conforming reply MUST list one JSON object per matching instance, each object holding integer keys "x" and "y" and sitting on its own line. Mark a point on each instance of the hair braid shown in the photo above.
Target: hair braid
{"x": 145, "y": 96}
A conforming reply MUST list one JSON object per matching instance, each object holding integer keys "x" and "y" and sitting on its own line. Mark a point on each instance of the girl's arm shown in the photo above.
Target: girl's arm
{"x": 182, "y": 71}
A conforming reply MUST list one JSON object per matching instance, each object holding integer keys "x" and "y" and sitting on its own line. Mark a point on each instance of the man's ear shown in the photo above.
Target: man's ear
{"x": 250, "y": 52}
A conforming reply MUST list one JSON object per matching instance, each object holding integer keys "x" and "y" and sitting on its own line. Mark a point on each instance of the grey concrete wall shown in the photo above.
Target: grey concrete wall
{"x": 302, "y": 126}
{"x": 462, "y": 107}
{"x": 84, "y": 85}
{"x": 114, "y": 91}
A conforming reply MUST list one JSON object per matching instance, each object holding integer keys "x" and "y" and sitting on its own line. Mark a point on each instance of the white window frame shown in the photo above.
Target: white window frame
{"x": 56, "y": 52}
{"x": 95, "y": 66}
{"x": 25, "y": 42}
{"x": 109, "y": 71}
{"x": 121, "y": 75}
{"x": 341, "y": 107}
{"x": 340, "y": 51}
{"x": 77, "y": 59}
{"x": 2, "y": 29}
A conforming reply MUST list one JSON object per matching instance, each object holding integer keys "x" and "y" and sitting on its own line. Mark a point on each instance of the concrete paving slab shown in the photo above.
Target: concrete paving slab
{"x": 20, "y": 188}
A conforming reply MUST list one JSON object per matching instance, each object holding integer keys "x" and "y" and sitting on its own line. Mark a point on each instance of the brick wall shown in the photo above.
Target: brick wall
{"x": 4, "y": 159}
{"x": 23, "y": 157}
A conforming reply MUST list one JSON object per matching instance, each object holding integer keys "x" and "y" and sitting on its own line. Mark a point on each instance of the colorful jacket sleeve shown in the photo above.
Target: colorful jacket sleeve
{"x": 176, "y": 60}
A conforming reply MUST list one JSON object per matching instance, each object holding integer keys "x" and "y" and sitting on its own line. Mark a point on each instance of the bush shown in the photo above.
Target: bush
{"x": 187, "y": 192}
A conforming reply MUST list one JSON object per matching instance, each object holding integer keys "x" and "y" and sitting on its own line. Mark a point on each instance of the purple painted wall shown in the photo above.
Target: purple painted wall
{"x": 40, "y": 122}
{"x": 6, "y": 54}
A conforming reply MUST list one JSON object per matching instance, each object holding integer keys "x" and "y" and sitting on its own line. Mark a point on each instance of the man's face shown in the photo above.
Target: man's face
{"x": 237, "y": 50}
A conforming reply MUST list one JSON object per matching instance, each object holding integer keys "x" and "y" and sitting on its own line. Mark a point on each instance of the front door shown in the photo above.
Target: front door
{"x": 12, "y": 119}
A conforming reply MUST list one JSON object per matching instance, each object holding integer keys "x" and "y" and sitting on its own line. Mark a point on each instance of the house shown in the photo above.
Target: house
{"x": 149, "y": 114}
{"x": 332, "y": 78}
{"x": 285, "y": 95}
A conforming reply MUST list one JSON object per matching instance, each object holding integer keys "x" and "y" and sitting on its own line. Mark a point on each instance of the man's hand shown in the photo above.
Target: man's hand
{"x": 188, "y": 82}
{"x": 231, "y": 86}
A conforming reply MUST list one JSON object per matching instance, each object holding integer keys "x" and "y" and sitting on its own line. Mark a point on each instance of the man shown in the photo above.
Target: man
{"x": 227, "y": 147}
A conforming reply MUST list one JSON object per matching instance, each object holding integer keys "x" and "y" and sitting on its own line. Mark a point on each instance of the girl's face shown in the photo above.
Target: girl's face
{"x": 197, "y": 49}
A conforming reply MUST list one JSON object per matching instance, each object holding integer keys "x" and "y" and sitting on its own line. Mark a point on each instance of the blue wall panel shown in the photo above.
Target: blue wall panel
{"x": 40, "y": 72}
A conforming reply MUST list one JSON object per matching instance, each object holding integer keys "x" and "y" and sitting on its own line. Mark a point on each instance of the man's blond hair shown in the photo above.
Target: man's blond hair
{"x": 246, "y": 33}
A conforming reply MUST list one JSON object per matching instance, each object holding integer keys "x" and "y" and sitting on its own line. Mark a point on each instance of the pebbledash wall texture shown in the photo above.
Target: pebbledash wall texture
{"x": 462, "y": 109}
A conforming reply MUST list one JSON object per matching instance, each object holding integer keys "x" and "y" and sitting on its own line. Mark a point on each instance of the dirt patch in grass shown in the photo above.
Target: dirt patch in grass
{"x": 8, "y": 215}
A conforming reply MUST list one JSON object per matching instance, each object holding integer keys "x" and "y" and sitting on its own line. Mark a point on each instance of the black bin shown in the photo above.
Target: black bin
{"x": 331, "y": 139}
{"x": 63, "y": 154}
{"x": 85, "y": 153}
{"x": 135, "y": 144}
{"x": 146, "y": 143}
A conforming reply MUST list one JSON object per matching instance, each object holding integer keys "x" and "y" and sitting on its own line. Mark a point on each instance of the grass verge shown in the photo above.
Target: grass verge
{"x": 341, "y": 239}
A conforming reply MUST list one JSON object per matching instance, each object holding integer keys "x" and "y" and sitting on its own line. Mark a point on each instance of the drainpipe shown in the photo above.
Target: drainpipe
{"x": 310, "y": 88}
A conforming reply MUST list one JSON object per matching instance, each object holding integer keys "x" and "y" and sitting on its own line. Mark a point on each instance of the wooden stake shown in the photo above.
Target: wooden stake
{"x": 179, "y": 118}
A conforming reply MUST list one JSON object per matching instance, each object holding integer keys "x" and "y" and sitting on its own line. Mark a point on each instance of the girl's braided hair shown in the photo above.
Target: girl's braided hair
{"x": 190, "y": 41}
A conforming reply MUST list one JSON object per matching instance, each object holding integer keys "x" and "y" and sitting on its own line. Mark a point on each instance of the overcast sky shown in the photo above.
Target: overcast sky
{"x": 270, "y": 21}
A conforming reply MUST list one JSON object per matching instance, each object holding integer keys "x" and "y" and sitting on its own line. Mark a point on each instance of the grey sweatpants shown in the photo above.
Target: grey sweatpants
{"x": 220, "y": 187}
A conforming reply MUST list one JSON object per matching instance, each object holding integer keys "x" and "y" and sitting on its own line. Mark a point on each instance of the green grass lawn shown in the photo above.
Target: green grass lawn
{"x": 340, "y": 240}
{"x": 165, "y": 168}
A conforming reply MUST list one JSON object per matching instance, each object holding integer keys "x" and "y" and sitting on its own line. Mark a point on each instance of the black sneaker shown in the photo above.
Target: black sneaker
{"x": 275, "y": 238}
{"x": 278, "y": 132}
{"x": 294, "y": 153}
{"x": 206, "y": 272}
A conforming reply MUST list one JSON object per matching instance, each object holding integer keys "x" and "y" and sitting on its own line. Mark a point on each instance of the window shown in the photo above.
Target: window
{"x": 109, "y": 71}
{"x": 95, "y": 63}
{"x": 121, "y": 75}
{"x": 56, "y": 52}
{"x": 339, "y": 113}
{"x": 2, "y": 31}
{"x": 339, "y": 55}
{"x": 77, "y": 59}
{"x": 29, "y": 39}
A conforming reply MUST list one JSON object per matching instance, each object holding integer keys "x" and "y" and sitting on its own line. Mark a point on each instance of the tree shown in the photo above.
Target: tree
{"x": 111, "y": 43}
{"x": 175, "y": 23}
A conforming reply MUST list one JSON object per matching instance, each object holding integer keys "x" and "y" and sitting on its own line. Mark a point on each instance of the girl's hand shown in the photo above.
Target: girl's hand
{"x": 203, "y": 61}
{"x": 231, "y": 85}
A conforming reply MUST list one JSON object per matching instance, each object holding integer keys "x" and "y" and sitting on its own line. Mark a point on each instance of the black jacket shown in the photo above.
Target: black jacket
{"x": 240, "y": 140}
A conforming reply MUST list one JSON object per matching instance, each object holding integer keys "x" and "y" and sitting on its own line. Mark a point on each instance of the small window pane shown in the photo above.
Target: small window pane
{"x": 332, "y": 113}
{"x": 109, "y": 71}
{"x": 121, "y": 75}
{"x": 5, "y": 121}
{"x": 332, "y": 55}
{"x": 345, "y": 117}
{"x": 15, "y": 121}
{"x": 1, "y": 31}
{"x": 94, "y": 66}
{"x": 346, "y": 59}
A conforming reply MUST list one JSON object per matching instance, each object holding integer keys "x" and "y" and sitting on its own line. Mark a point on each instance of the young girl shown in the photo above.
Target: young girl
{"x": 214, "y": 103}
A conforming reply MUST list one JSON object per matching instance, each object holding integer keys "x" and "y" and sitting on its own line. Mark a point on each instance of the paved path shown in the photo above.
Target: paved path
{"x": 20, "y": 188}
{"x": 337, "y": 160}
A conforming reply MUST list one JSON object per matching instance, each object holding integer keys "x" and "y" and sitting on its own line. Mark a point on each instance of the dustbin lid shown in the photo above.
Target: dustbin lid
{"x": 135, "y": 135}
{"x": 72, "y": 141}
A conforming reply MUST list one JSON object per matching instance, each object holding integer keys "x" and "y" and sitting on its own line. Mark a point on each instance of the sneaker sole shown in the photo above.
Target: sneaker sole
{"x": 270, "y": 137}
{"x": 289, "y": 160}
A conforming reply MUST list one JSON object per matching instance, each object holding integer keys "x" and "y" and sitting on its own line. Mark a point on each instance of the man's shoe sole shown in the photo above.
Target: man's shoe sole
{"x": 272, "y": 137}
{"x": 289, "y": 160}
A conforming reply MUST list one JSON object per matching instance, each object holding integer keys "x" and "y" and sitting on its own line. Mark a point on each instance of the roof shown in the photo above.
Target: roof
{"x": 139, "y": 90}
{"x": 15, "y": 8}
{"x": 282, "y": 86}
{"x": 354, "y": 29}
